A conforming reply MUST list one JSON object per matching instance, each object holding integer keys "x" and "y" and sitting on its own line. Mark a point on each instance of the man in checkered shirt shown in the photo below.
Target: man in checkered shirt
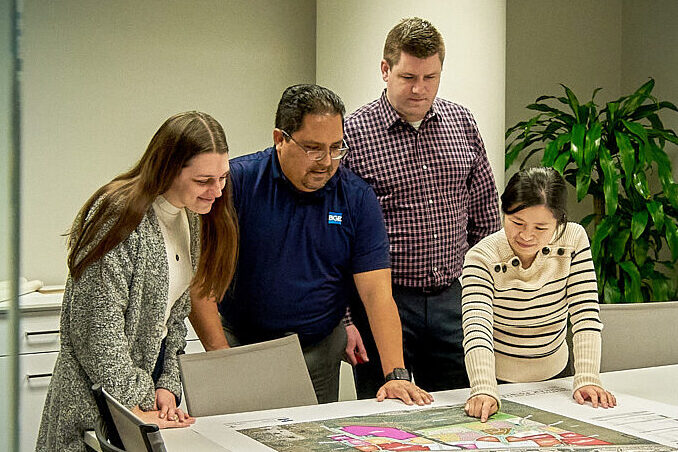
{"x": 426, "y": 161}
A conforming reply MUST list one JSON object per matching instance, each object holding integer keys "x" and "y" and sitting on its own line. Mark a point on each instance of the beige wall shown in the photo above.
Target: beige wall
{"x": 650, "y": 49}
{"x": 100, "y": 77}
{"x": 577, "y": 43}
{"x": 548, "y": 42}
{"x": 349, "y": 53}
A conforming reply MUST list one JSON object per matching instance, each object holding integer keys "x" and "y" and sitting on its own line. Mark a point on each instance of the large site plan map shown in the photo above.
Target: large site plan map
{"x": 516, "y": 426}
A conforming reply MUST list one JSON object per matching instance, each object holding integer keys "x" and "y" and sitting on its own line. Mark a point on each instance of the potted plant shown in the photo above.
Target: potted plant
{"x": 616, "y": 154}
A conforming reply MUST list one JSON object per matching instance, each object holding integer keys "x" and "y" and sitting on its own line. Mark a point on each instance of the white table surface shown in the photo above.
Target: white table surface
{"x": 209, "y": 434}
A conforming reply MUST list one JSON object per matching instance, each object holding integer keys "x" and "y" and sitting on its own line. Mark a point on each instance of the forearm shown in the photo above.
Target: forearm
{"x": 480, "y": 368}
{"x": 387, "y": 331}
{"x": 587, "y": 352}
{"x": 206, "y": 322}
{"x": 375, "y": 292}
{"x": 175, "y": 343}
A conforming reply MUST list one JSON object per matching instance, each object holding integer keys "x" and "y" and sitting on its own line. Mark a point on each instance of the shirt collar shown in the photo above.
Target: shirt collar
{"x": 391, "y": 116}
{"x": 278, "y": 175}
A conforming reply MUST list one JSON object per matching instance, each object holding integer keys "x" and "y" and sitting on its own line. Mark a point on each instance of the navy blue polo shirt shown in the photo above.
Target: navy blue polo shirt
{"x": 298, "y": 250}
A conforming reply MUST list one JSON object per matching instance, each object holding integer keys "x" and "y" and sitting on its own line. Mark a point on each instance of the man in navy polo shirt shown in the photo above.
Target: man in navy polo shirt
{"x": 311, "y": 233}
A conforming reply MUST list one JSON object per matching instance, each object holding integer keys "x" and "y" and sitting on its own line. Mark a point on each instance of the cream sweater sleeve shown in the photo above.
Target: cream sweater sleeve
{"x": 582, "y": 296}
{"x": 477, "y": 324}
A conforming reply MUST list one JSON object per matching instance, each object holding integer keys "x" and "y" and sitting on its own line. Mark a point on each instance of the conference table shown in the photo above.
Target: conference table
{"x": 651, "y": 391}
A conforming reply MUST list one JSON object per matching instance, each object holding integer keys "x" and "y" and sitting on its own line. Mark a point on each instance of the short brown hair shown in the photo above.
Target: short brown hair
{"x": 415, "y": 36}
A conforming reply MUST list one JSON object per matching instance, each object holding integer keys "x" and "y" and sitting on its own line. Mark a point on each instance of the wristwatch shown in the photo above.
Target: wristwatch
{"x": 399, "y": 374}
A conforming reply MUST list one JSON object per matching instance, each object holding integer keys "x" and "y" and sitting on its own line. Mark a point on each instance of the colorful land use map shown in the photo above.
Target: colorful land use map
{"x": 517, "y": 427}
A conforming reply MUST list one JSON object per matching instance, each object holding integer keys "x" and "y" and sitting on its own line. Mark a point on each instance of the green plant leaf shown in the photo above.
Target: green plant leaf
{"x": 663, "y": 166}
{"x": 645, "y": 111}
{"x": 641, "y": 186}
{"x": 660, "y": 288}
{"x": 640, "y": 249}
{"x": 583, "y": 182}
{"x": 550, "y": 154}
{"x": 626, "y": 152}
{"x": 638, "y": 223}
{"x": 551, "y": 128}
{"x": 577, "y": 143}
{"x": 520, "y": 126}
{"x": 618, "y": 243}
{"x": 561, "y": 162}
{"x": 592, "y": 143}
{"x": 602, "y": 231}
{"x": 636, "y": 129}
{"x": 611, "y": 292}
{"x": 657, "y": 213}
{"x": 672, "y": 195}
{"x": 669, "y": 105}
{"x": 655, "y": 121}
{"x": 637, "y": 98}
{"x": 595, "y": 91}
{"x": 672, "y": 238}
{"x": 572, "y": 101}
{"x": 552, "y": 110}
{"x": 610, "y": 181}
{"x": 665, "y": 134}
{"x": 611, "y": 109}
{"x": 511, "y": 155}
{"x": 632, "y": 291}
{"x": 527, "y": 157}
{"x": 587, "y": 220}
{"x": 552, "y": 150}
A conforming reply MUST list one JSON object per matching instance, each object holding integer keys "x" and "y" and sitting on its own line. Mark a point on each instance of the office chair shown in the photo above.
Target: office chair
{"x": 650, "y": 327}
{"x": 261, "y": 376}
{"x": 120, "y": 430}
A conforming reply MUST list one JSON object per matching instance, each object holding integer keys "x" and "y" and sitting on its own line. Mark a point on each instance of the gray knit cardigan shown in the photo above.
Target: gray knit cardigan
{"x": 111, "y": 331}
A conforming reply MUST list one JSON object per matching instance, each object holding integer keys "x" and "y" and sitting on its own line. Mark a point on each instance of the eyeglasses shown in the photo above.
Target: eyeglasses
{"x": 317, "y": 153}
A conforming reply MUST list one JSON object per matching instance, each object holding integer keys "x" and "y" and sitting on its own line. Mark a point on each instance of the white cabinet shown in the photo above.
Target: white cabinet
{"x": 38, "y": 349}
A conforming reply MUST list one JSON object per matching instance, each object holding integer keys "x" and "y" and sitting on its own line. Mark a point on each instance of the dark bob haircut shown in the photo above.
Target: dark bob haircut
{"x": 536, "y": 187}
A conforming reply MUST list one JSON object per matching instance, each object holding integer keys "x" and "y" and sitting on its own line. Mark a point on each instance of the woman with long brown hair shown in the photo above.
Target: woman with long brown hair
{"x": 137, "y": 250}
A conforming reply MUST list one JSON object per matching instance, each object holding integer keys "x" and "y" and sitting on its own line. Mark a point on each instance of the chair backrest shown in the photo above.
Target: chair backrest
{"x": 265, "y": 375}
{"x": 102, "y": 433}
{"x": 123, "y": 428}
{"x": 639, "y": 335}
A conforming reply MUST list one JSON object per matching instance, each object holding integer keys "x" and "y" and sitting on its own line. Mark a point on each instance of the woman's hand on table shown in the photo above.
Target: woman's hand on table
{"x": 481, "y": 406}
{"x": 153, "y": 417}
{"x": 596, "y": 395}
{"x": 166, "y": 404}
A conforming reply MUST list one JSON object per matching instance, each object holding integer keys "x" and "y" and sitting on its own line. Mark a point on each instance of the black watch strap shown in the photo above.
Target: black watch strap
{"x": 399, "y": 374}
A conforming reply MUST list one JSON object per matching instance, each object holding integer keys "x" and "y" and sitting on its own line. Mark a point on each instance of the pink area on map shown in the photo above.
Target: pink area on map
{"x": 350, "y": 440}
{"x": 383, "y": 432}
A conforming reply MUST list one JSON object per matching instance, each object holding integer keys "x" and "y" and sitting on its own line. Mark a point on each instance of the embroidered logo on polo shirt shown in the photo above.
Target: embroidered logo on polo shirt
{"x": 334, "y": 218}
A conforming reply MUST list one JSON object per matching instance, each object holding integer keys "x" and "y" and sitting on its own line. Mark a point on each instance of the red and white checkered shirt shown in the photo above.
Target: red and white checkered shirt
{"x": 435, "y": 186}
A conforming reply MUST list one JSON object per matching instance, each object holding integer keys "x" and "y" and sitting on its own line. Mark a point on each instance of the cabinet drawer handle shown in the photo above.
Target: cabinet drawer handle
{"x": 32, "y": 376}
{"x": 39, "y": 333}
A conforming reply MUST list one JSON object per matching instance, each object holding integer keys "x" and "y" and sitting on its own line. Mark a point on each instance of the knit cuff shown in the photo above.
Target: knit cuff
{"x": 481, "y": 372}
{"x": 587, "y": 351}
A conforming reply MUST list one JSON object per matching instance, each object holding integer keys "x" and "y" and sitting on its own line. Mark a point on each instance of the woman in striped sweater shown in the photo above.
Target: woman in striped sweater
{"x": 520, "y": 284}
